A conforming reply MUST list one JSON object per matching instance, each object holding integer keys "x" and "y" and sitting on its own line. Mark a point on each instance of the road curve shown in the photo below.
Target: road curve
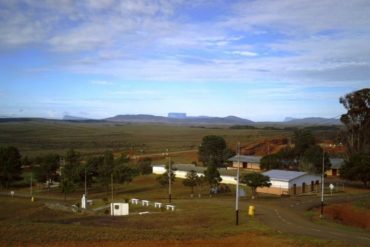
{"x": 287, "y": 215}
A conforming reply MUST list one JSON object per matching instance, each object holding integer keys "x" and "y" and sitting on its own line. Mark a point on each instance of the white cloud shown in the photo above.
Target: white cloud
{"x": 244, "y": 53}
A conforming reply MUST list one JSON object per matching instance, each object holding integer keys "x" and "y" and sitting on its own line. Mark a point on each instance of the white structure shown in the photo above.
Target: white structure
{"x": 145, "y": 203}
{"x": 181, "y": 170}
{"x": 172, "y": 207}
{"x": 119, "y": 209}
{"x": 83, "y": 201}
{"x": 134, "y": 201}
{"x": 158, "y": 204}
{"x": 290, "y": 182}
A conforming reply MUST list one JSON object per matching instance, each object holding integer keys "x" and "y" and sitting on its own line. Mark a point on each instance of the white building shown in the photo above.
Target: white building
{"x": 181, "y": 170}
{"x": 119, "y": 209}
{"x": 290, "y": 182}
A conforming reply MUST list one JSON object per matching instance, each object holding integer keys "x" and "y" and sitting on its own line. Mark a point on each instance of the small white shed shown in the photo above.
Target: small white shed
{"x": 290, "y": 182}
{"x": 119, "y": 209}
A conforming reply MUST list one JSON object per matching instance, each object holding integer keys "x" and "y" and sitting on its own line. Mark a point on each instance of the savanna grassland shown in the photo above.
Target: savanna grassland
{"x": 198, "y": 221}
{"x": 39, "y": 137}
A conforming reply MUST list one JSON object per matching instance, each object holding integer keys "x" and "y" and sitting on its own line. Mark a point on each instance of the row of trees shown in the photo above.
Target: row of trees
{"x": 70, "y": 170}
{"x": 306, "y": 155}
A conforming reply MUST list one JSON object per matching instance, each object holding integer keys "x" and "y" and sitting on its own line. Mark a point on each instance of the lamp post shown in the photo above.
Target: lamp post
{"x": 31, "y": 187}
{"x": 169, "y": 177}
{"x": 322, "y": 184}
{"x": 237, "y": 188}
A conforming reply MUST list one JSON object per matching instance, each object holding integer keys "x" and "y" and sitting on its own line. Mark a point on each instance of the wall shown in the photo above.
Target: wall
{"x": 182, "y": 174}
{"x": 119, "y": 209}
{"x": 159, "y": 170}
{"x": 285, "y": 187}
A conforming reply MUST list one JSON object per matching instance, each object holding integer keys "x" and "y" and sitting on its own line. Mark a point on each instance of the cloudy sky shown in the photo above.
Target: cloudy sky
{"x": 261, "y": 60}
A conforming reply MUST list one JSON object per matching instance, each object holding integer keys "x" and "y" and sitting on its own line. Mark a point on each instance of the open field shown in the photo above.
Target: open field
{"x": 35, "y": 137}
{"x": 200, "y": 221}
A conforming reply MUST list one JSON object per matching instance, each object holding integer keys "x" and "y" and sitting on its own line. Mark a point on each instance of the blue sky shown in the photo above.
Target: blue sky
{"x": 261, "y": 60}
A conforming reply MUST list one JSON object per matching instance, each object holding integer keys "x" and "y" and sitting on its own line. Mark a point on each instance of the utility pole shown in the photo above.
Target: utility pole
{"x": 237, "y": 187}
{"x": 111, "y": 181}
{"x": 322, "y": 184}
{"x": 85, "y": 185}
{"x": 169, "y": 179}
{"x": 31, "y": 188}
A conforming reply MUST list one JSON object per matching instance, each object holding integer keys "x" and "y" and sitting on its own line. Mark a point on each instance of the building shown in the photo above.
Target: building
{"x": 290, "y": 183}
{"x": 119, "y": 209}
{"x": 181, "y": 170}
{"x": 336, "y": 165}
{"x": 249, "y": 162}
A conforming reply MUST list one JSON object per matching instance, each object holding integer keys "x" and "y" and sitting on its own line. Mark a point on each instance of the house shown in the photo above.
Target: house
{"x": 181, "y": 170}
{"x": 336, "y": 165}
{"x": 290, "y": 183}
{"x": 249, "y": 162}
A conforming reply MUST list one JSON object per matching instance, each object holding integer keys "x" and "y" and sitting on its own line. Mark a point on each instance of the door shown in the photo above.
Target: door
{"x": 334, "y": 172}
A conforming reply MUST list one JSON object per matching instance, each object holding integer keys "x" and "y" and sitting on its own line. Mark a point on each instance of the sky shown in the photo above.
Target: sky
{"x": 262, "y": 60}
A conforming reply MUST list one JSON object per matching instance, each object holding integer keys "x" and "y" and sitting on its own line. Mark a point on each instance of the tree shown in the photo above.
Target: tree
{"x": 91, "y": 166}
{"x": 303, "y": 139}
{"x": 357, "y": 120}
{"x": 70, "y": 172}
{"x": 105, "y": 170}
{"x": 163, "y": 179}
{"x": 312, "y": 160}
{"x": 284, "y": 159}
{"x": 357, "y": 167}
{"x": 145, "y": 166}
{"x": 212, "y": 175}
{"x": 191, "y": 180}
{"x": 47, "y": 169}
{"x": 10, "y": 166}
{"x": 123, "y": 173}
{"x": 228, "y": 153}
{"x": 212, "y": 147}
{"x": 255, "y": 180}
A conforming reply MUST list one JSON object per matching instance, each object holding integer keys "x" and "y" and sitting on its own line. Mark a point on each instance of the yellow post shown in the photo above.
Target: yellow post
{"x": 32, "y": 199}
{"x": 251, "y": 210}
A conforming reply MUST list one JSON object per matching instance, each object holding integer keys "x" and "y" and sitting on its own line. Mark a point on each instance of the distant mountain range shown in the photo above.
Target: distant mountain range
{"x": 188, "y": 120}
{"x": 230, "y": 120}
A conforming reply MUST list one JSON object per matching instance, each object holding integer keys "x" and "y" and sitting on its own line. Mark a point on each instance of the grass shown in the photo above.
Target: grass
{"x": 207, "y": 218}
{"x": 37, "y": 137}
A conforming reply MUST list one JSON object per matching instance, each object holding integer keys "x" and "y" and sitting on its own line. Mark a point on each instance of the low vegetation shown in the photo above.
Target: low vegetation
{"x": 204, "y": 220}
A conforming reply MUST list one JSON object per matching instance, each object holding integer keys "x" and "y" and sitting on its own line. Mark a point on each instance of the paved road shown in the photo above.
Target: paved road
{"x": 288, "y": 215}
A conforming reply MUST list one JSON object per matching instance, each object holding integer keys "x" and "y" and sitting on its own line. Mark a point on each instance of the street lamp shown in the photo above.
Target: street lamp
{"x": 237, "y": 187}
{"x": 322, "y": 184}
{"x": 169, "y": 177}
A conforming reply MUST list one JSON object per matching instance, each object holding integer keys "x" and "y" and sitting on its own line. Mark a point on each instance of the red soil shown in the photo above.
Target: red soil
{"x": 348, "y": 214}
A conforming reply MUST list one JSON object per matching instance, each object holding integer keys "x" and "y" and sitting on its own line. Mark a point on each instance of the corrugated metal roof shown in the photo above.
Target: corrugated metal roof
{"x": 336, "y": 163}
{"x": 246, "y": 158}
{"x": 283, "y": 175}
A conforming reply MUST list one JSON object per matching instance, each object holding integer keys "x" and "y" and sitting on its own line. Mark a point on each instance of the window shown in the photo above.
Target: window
{"x": 116, "y": 207}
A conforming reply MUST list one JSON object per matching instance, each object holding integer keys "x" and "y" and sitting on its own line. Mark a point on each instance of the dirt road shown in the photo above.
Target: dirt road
{"x": 288, "y": 215}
